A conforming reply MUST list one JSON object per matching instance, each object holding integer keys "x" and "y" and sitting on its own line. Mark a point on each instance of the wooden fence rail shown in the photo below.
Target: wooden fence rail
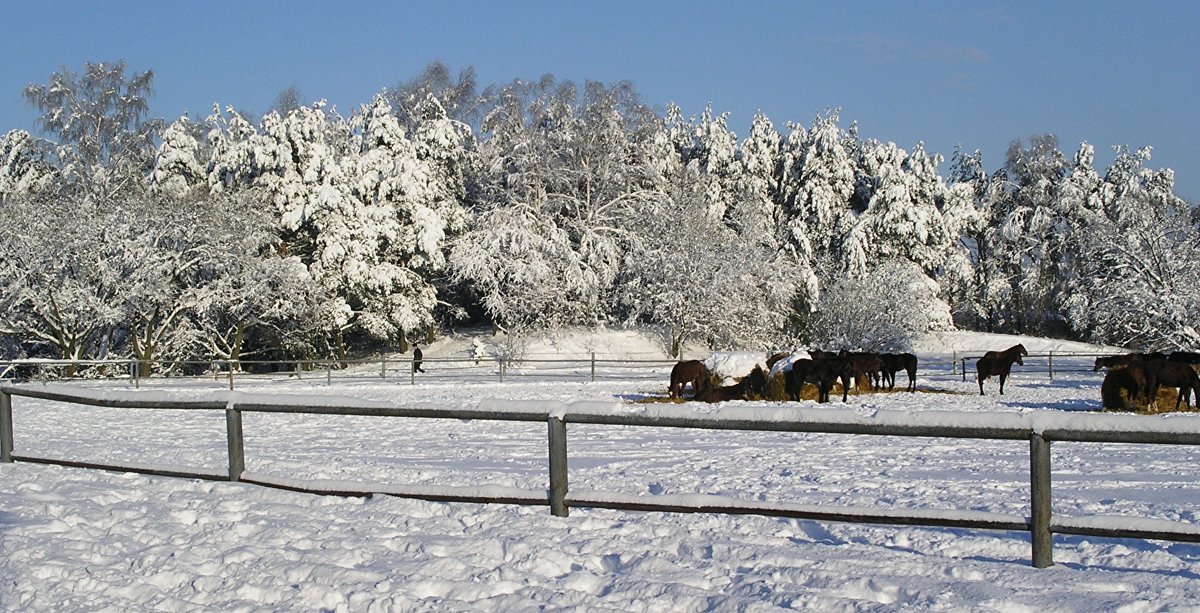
{"x": 1039, "y": 430}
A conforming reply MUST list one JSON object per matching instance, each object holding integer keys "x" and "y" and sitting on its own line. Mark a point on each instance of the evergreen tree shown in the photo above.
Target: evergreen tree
{"x": 26, "y": 170}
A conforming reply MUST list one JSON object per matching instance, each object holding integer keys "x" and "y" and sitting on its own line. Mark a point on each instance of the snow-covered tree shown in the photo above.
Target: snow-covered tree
{"x": 405, "y": 201}
{"x": 522, "y": 269}
{"x": 1026, "y": 244}
{"x": 575, "y": 165}
{"x": 460, "y": 97}
{"x": 884, "y": 311}
{"x": 903, "y": 218}
{"x": 180, "y": 166}
{"x": 753, "y": 211}
{"x": 25, "y": 167}
{"x": 1139, "y": 270}
{"x": 105, "y": 144}
{"x": 816, "y": 184}
{"x": 57, "y": 289}
{"x": 693, "y": 278}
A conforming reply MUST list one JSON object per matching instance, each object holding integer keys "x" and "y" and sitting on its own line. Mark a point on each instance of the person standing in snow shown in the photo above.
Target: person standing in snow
{"x": 417, "y": 355}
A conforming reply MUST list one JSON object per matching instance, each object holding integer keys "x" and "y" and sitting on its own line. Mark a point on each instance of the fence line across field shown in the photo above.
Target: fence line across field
{"x": 1050, "y": 367}
{"x": 1038, "y": 430}
{"x": 462, "y": 368}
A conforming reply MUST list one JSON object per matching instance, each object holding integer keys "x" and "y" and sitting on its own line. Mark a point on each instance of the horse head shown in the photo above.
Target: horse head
{"x": 1020, "y": 352}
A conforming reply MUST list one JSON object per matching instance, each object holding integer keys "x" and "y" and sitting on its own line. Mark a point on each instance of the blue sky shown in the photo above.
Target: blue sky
{"x": 975, "y": 74}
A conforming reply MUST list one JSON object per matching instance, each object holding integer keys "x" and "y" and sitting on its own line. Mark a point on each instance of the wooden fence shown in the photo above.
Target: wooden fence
{"x": 395, "y": 368}
{"x": 1039, "y": 430}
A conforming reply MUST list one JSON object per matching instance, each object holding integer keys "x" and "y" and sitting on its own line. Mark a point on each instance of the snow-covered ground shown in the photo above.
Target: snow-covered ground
{"x": 85, "y": 540}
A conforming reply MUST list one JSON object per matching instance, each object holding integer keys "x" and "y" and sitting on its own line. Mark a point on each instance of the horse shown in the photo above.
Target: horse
{"x": 1187, "y": 357}
{"x": 794, "y": 379}
{"x": 1172, "y": 374}
{"x": 998, "y": 363}
{"x": 1115, "y": 361}
{"x": 746, "y": 388}
{"x": 687, "y": 371}
{"x": 1121, "y": 379}
{"x": 775, "y": 357}
{"x": 867, "y": 367}
{"x": 893, "y": 362}
{"x": 822, "y": 373}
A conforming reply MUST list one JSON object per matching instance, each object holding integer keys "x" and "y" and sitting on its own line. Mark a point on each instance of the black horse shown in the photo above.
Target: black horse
{"x": 894, "y": 362}
{"x": 998, "y": 363}
{"x": 1172, "y": 374}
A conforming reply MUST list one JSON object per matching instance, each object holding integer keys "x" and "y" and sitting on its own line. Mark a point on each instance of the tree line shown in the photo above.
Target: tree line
{"x": 532, "y": 206}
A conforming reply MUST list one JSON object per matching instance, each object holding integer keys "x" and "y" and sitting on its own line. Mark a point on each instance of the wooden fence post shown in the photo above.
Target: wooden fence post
{"x": 230, "y": 376}
{"x": 383, "y": 368}
{"x": 6, "y": 428}
{"x": 558, "y": 466}
{"x": 501, "y": 369}
{"x": 237, "y": 451}
{"x": 964, "y": 369}
{"x": 1039, "y": 507}
{"x": 1051, "y": 361}
{"x": 594, "y": 368}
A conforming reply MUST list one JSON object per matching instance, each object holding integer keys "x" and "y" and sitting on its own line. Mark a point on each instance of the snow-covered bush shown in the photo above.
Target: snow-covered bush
{"x": 885, "y": 310}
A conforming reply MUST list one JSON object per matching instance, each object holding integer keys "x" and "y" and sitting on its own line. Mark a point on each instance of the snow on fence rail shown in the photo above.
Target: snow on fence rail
{"x": 1039, "y": 429}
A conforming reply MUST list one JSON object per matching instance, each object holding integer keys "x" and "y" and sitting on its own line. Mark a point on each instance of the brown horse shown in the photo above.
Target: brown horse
{"x": 867, "y": 367}
{"x": 1172, "y": 374}
{"x": 775, "y": 357}
{"x": 893, "y": 362}
{"x": 687, "y": 371}
{"x": 998, "y": 363}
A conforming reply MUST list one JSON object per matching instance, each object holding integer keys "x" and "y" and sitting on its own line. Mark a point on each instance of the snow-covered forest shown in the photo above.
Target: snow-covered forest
{"x": 313, "y": 231}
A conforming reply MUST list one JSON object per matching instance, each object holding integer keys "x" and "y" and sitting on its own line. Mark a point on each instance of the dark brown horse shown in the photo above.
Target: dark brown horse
{"x": 1187, "y": 357}
{"x": 821, "y": 372}
{"x": 1172, "y": 374}
{"x": 998, "y": 363}
{"x": 747, "y": 388}
{"x": 1118, "y": 380}
{"x": 894, "y": 362}
{"x": 1125, "y": 359}
{"x": 687, "y": 371}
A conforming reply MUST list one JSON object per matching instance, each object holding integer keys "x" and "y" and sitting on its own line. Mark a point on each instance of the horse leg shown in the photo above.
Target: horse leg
{"x": 912, "y": 380}
{"x": 1002, "y": 378}
{"x": 980, "y": 384}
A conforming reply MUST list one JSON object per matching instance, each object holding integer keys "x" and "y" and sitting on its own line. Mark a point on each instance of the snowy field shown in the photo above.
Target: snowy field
{"x": 87, "y": 540}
